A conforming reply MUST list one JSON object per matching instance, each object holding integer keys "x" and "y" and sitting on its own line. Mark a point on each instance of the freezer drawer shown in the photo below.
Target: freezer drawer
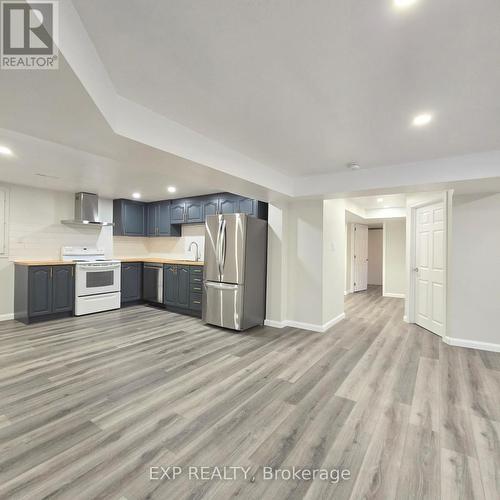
{"x": 223, "y": 305}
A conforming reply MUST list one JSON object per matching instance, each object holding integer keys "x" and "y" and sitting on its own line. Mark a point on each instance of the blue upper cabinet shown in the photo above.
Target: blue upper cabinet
{"x": 194, "y": 210}
{"x": 228, "y": 203}
{"x": 178, "y": 212}
{"x": 165, "y": 227}
{"x": 152, "y": 219}
{"x": 129, "y": 217}
{"x": 158, "y": 223}
{"x": 234, "y": 204}
{"x": 164, "y": 218}
{"x": 211, "y": 205}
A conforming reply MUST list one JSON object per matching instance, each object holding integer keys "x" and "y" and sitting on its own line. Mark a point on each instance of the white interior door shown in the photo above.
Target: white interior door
{"x": 430, "y": 260}
{"x": 360, "y": 257}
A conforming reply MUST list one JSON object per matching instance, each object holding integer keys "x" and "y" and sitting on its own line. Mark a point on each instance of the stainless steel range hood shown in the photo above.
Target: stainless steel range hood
{"x": 86, "y": 211}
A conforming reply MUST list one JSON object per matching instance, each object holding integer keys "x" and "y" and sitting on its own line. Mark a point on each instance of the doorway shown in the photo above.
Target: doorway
{"x": 365, "y": 248}
{"x": 360, "y": 257}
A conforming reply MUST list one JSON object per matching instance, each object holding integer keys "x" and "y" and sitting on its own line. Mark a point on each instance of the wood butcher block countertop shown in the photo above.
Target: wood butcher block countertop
{"x": 160, "y": 260}
{"x": 126, "y": 259}
{"x": 43, "y": 263}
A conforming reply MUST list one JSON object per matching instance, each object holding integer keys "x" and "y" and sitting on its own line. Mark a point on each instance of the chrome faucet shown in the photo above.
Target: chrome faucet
{"x": 196, "y": 255}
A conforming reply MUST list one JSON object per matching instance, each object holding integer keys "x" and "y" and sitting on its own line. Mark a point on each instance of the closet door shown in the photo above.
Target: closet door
{"x": 430, "y": 268}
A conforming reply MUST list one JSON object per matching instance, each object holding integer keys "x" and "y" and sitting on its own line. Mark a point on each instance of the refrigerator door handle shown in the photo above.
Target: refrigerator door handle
{"x": 220, "y": 286}
{"x": 223, "y": 246}
{"x": 218, "y": 249}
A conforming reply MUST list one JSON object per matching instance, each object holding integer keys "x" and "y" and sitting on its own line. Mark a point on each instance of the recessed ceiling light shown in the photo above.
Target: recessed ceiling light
{"x": 353, "y": 166}
{"x": 136, "y": 195}
{"x": 4, "y": 150}
{"x": 380, "y": 200}
{"x": 171, "y": 189}
{"x": 422, "y": 119}
{"x": 401, "y": 4}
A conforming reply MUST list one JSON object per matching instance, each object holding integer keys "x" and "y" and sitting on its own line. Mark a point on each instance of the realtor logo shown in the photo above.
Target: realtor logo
{"x": 29, "y": 35}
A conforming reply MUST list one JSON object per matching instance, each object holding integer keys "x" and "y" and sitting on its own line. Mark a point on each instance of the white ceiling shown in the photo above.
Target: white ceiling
{"x": 55, "y": 129}
{"x": 386, "y": 201}
{"x": 307, "y": 87}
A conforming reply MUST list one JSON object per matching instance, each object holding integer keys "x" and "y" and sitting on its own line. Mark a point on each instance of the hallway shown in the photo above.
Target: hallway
{"x": 437, "y": 408}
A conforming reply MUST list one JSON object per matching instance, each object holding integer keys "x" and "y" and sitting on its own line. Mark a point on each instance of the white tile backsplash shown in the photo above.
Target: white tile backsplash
{"x": 35, "y": 229}
{"x": 168, "y": 247}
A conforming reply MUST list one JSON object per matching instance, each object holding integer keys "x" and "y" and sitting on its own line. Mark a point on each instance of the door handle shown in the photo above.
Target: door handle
{"x": 415, "y": 269}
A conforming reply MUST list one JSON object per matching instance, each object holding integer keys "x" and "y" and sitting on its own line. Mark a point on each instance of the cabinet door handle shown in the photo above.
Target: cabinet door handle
{"x": 51, "y": 269}
{"x": 196, "y": 302}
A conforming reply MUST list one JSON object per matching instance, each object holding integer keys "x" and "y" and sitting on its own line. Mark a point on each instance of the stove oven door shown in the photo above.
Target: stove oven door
{"x": 93, "y": 278}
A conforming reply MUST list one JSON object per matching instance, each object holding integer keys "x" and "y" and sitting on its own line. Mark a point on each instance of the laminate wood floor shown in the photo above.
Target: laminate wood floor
{"x": 88, "y": 405}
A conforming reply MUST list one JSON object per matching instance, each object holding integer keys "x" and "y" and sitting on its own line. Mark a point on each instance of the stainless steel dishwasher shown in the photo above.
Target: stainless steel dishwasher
{"x": 152, "y": 287}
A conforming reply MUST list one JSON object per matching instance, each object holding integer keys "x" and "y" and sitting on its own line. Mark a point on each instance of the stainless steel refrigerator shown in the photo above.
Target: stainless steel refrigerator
{"x": 234, "y": 274}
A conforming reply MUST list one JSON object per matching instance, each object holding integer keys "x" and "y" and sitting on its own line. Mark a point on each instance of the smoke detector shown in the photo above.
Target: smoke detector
{"x": 353, "y": 166}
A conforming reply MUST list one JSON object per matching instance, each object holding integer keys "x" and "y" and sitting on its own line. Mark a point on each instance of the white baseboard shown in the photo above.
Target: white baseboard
{"x": 6, "y": 317}
{"x": 274, "y": 324}
{"x": 305, "y": 326}
{"x": 472, "y": 344}
{"x": 333, "y": 322}
{"x": 395, "y": 295}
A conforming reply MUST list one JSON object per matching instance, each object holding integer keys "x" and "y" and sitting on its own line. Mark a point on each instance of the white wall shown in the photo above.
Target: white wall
{"x": 334, "y": 260}
{"x": 305, "y": 262}
{"x": 394, "y": 273}
{"x": 474, "y": 270}
{"x": 4, "y": 199}
{"x": 277, "y": 256}
{"x": 375, "y": 256}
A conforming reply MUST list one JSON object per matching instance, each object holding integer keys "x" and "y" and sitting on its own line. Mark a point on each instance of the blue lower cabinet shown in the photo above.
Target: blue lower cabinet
{"x": 170, "y": 285}
{"x": 131, "y": 282}
{"x": 43, "y": 292}
{"x": 178, "y": 288}
{"x": 195, "y": 301}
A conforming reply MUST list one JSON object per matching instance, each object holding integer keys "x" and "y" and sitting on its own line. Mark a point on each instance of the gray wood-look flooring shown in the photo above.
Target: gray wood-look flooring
{"x": 89, "y": 404}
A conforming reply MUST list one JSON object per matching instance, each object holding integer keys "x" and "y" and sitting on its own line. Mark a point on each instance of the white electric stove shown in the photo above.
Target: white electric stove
{"x": 97, "y": 279}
